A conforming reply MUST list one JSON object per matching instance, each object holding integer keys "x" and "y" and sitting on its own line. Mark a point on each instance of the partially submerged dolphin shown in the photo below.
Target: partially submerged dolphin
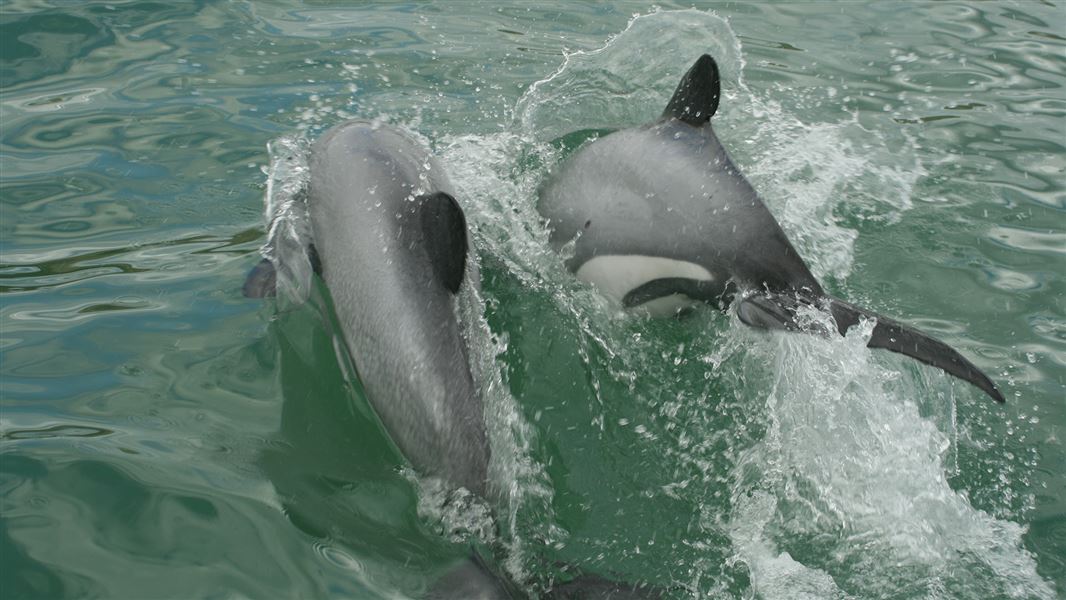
{"x": 662, "y": 217}
{"x": 390, "y": 242}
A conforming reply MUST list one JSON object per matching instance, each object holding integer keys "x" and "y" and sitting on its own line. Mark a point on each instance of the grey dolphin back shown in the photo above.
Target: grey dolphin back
{"x": 390, "y": 242}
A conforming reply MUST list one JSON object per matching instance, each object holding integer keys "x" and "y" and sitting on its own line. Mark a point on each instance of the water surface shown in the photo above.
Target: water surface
{"x": 164, "y": 437}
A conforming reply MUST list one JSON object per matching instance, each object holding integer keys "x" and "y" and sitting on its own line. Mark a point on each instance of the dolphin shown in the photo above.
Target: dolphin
{"x": 662, "y": 217}
{"x": 390, "y": 243}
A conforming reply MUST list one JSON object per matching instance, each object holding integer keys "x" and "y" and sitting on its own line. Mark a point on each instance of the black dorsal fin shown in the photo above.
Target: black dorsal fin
{"x": 696, "y": 98}
{"x": 444, "y": 232}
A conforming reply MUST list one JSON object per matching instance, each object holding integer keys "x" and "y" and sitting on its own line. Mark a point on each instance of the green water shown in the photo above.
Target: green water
{"x": 164, "y": 437}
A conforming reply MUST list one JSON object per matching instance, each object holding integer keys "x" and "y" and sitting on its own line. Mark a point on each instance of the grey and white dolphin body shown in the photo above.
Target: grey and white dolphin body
{"x": 662, "y": 217}
{"x": 390, "y": 242}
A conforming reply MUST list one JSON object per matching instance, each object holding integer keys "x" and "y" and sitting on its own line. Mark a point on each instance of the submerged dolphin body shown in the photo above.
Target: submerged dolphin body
{"x": 390, "y": 243}
{"x": 662, "y": 217}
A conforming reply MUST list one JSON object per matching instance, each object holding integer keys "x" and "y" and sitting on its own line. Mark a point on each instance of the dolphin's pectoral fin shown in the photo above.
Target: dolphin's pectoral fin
{"x": 261, "y": 281}
{"x": 696, "y": 99}
{"x": 444, "y": 232}
{"x": 657, "y": 288}
{"x": 769, "y": 310}
{"x": 897, "y": 337}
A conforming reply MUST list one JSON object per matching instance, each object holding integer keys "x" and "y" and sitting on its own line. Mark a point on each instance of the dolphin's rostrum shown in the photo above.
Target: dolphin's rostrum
{"x": 662, "y": 217}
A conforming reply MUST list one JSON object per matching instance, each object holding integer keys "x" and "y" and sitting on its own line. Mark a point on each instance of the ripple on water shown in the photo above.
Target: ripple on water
{"x": 1017, "y": 281}
{"x": 1029, "y": 240}
{"x": 57, "y": 100}
{"x": 119, "y": 526}
{"x": 1050, "y": 326}
{"x": 54, "y": 431}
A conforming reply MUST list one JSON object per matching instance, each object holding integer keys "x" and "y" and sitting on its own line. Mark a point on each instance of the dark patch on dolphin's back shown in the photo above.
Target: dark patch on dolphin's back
{"x": 696, "y": 99}
{"x": 444, "y": 233}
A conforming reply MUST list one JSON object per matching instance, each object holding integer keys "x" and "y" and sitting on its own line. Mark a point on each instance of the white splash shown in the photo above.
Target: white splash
{"x": 629, "y": 79}
{"x": 848, "y": 490}
{"x": 288, "y": 224}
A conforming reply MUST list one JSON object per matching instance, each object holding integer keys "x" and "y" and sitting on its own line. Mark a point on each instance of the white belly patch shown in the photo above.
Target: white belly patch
{"x": 615, "y": 275}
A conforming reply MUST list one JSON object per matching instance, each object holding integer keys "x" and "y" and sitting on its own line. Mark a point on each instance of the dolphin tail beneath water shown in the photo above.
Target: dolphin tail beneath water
{"x": 770, "y": 310}
{"x": 474, "y": 579}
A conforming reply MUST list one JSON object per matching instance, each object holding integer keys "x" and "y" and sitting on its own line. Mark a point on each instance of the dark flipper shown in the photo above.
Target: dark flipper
{"x": 696, "y": 98}
{"x": 897, "y": 337}
{"x": 657, "y": 288}
{"x": 770, "y": 310}
{"x": 262, "y": 281}
{"x": 444, "y": 232}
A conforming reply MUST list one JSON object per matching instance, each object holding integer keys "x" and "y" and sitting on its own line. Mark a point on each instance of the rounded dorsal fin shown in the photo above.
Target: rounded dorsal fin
{"x": 696, "y": 98}
{"x": 444, "y": 233}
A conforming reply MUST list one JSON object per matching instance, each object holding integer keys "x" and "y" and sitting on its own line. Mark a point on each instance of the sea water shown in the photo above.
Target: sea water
{"x": 164, "y": 437}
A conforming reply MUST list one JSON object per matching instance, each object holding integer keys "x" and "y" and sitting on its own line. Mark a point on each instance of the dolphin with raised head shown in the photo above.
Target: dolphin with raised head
{"x": 662, "y": 217}
{"x": 390, "y": 242}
